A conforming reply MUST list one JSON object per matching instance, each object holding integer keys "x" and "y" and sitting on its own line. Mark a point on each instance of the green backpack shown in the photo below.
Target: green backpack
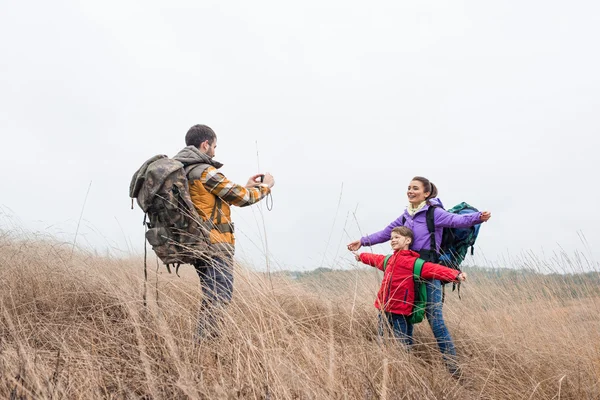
{"x": 418, "y": 312}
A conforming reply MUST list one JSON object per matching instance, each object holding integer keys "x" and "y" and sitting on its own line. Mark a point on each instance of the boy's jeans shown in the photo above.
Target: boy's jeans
{"x": 403, "y": 330}
{"x": 433, "y": 312}
{"x": 216, "y": 280}
{"x": 399, "y": 325}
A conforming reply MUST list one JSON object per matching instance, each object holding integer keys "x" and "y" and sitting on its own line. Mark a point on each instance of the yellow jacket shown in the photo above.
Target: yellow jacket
{"x": 213, "y": 194}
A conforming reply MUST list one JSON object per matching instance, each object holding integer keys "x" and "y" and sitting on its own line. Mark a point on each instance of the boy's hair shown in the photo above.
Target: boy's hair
{"x": 199, "y": 134}
{"x": 404, "y": 231}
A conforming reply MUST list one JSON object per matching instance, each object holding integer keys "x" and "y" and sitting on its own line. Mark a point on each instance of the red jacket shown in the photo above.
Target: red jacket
{"x": 397, "y": 292}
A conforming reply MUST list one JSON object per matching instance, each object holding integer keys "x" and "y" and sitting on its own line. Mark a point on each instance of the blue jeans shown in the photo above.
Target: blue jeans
{"x": 216, "y": 280}
{"x": 399, "y": 326}
{"x": 433, "y": 312}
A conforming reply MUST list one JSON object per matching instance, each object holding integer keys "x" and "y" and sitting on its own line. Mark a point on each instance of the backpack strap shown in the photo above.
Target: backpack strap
{"x": 430, "y": 218}
{"x": 418, "y": 267}
{"x": 403, "y": 220}
{"x": 188, "y": 169}
{"x": 385, "y": 261}
{"x": 215, "y": 211}
{"x": 420, "y": 302}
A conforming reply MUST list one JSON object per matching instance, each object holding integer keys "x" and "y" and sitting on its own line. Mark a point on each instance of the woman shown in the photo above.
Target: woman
{"x": 421, "y": 196}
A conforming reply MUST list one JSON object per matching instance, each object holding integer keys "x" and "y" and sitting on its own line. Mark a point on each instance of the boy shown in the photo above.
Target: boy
{"x": 397, "y": 293}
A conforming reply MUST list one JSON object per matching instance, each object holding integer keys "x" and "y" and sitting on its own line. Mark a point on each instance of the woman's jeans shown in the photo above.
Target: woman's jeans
{"x": 403, "y": 330}
{"x": 433, "y": 312}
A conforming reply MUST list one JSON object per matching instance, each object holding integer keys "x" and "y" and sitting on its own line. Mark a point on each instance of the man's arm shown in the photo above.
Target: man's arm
{"x": 232, "y": 193}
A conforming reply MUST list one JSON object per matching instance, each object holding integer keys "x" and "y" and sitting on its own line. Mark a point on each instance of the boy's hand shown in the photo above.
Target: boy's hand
{"x": 462, "y": 277}
{"x": 356, "y": 255}
{"x": 485, "y": 216}
{"x": 354, "y": 245}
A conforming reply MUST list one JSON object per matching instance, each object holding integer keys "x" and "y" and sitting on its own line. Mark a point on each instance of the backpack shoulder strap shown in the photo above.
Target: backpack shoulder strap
{"x": 430, "y": 218}
{"x": 418, "y": 267}
{"x": 197, "y": 169}
{"x": 385, "y": 261}
{"x": 403, "y": 219}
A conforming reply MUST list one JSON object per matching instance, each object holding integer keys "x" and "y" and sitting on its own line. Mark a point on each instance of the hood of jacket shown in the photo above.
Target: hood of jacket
{"x": 190, "y": 155}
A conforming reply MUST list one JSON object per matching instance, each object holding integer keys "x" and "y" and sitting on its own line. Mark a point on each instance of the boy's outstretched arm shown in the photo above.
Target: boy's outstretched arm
{"x": 436, "y": 271}
{"x": 374, "y": 260}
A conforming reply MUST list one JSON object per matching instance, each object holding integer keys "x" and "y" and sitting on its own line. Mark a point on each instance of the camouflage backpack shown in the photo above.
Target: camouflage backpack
{"x": 174, "y": 229}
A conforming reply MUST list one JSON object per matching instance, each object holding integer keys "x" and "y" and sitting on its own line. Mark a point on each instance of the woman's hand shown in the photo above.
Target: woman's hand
{"x": 354, "y": 245}
{"x": 485, "y": 216}
{"x": 462, "y": 277}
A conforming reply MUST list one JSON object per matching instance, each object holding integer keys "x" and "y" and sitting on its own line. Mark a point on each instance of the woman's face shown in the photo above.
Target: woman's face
{"x": 416, "y": 193}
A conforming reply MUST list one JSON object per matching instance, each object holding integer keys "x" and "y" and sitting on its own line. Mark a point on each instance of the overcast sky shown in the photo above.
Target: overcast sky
{"x": 495, "y": 102}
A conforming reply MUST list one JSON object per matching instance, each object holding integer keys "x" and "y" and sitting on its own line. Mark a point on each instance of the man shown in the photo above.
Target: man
{"x": 213, "y": 194}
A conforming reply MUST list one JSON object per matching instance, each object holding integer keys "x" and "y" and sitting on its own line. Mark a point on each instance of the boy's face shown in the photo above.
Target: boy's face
{"x": 400, "y": 242}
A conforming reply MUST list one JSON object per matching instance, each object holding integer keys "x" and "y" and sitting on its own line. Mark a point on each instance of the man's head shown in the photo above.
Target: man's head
{"x": 203, "y": 138}
{"x": 402, "y": 237}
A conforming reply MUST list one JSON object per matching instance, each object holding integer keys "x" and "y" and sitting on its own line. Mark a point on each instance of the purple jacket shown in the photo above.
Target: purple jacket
{"x": 442, "y": 219}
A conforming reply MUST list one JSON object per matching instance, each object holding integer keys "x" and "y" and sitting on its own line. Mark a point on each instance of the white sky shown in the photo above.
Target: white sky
{"x": 495, "y": 102}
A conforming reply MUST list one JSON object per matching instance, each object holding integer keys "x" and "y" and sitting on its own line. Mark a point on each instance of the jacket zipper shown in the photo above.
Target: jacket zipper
{"x": 385, "y": 301}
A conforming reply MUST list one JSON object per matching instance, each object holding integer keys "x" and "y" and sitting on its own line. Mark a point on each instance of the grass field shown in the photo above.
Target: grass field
{"x": 73, "y": 325}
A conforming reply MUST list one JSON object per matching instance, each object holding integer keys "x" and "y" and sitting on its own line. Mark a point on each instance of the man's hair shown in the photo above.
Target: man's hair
{"x": 198, "y": 134}
{"x": 404, "y": 231}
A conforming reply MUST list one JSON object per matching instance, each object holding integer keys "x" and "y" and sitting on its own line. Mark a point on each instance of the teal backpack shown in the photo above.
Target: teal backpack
{"x": 456, "y": 242}
{"x": 418, "y": 312}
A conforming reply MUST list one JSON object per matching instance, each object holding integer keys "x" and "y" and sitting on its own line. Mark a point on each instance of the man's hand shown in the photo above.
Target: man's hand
{"x": 254, "y": 181}
{"x": 269, "y": 180}
{"x": 354, "y": 245}
{"x": 485, "y": 216}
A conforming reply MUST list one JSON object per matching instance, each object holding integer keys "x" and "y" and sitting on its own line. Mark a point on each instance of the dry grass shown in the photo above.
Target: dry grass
{"x": 75, "y": 327}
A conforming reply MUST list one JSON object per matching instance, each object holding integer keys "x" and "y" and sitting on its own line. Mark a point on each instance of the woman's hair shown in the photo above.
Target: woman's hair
{"x": 405, "y": 232}
{"x": 428, "y": 186}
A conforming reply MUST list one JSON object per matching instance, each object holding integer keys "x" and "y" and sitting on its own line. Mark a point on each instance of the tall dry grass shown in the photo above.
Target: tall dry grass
{"x": 74, "y": 326}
